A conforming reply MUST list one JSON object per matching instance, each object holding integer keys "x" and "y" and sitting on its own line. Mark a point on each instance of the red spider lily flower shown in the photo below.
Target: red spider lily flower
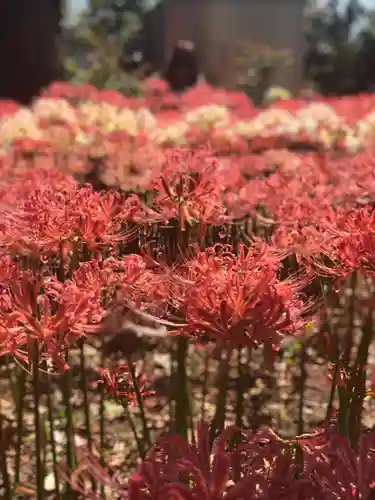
{"x": 37, "y": 314}
{"x": 349, "y": 243}
{"x": 120, "y": 385}
{"x": 188, "y": 189}
{"x": 198, "y": 472}
{"x": 93, "y": 282}
{"x": 137, "y": 285}
{"x": 47, "y": 219}
{"x": 239, "y": 300}
{"x": 186, "y": 471}
{"x": 340, "y": 473}
{"x": 90, "y": 469}
{"x": 239, "y": 466}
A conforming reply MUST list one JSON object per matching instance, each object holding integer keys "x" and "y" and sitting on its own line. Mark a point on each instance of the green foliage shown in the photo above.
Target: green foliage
{"x": 106, "y": 29}
{"x": 336, "y": 50}
{"x": 257, "y": 65}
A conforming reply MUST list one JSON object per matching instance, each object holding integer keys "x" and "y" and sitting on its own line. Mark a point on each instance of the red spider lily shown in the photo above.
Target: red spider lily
{"x": 349, "y": 242}
{"x": 198, "y": 472}
{"x": 89, "y": 468}
{"x": 138, "y": 286}
{"x": 239, "y": 466}
{"x": 239, "y": 300}
{"x": 46, "y": 219}
{"x": 36, "y": 313}
{"x": 340, "y": 473}
{"x": 127, "y": 269}
{"x": 120, "y": 385}
{"x": 188, "y": 191}
{"x": 91, "y": 281}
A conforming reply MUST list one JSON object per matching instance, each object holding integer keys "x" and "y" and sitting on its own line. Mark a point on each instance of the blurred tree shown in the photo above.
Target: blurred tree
{"x": 333, "y": 46}
{"x": 108, "y": 27}
{"x": 107, "y": 16}
{"x": 256, "y": 67}
{"x": 365, "y": 68}
{"x": 29, "y": 56}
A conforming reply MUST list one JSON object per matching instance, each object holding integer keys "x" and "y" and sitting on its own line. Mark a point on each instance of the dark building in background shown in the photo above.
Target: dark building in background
{"x": 217, "y": 27}
{"x": 29, "y": 58}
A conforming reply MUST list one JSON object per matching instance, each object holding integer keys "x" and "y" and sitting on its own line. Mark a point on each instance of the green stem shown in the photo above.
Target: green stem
{"x": 135, "y": 434}
{"x": 86, "y": 404}
{"x": 218, "y": 421}
{"x": 37, "y": 425}
{"x": 332, "y": 393}
{"x": 69, "y": 430}
{"x": 3, "y": 459}
{"x": 146, "y": 432}
{"x": 52, "y": 439}
{"x": 302, "y": 388}
{"x": 19, "y": 396}
{"x": 359, "y": 381}
{"x": 349, "y": 338}
{"x": 102, "y": 417}
{"x": 182, "y": 410}
{"x": 12, "y": 385}
{"x": 240, "y": 389}
{"x": 205, "y": 381}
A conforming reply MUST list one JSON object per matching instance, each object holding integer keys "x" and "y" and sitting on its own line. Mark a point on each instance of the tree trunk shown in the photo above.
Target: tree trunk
{"x": 29, "y": 56}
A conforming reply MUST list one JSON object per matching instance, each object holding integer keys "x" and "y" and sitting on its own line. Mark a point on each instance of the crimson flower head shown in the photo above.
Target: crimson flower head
{"x": 340, "y": 473}
{"x": 239, "y": 466}
{"x": 45, "y": 219}
{"x": 40, "y": 309}
{"x": 239, "y": 299}
{"x": 189, "y": 189}
{"x": 348, "y": 242}
{"x": 121, "y": 385}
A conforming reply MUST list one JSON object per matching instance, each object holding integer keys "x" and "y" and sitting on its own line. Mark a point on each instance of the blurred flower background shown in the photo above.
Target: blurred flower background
{"x": 187, "y": 269}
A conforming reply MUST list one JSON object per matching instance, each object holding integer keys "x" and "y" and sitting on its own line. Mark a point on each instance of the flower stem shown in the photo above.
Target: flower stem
{"x": 101, "y": 418}
{"x": 359, "y": 381}
{"x": 52, "y": 439}
{"x": 146, "y": 432}
{"x": 240, "y": 389}
{"x": 37, "y": 424}
{"x": 349, "y": 338}
{"x": 205, "y": 381}
{"x": 218, "y": 421}
{"x": 302, "y": 388}
{"x": 19, "y": 396}
{"x": 182, "y": 411}
{"x": 86, "y": 404}
{"x": 331, "y": 400}
{"x": 69, "y": 431}
{"x": 3, "y": 459}
{"x": 135, "y": 434}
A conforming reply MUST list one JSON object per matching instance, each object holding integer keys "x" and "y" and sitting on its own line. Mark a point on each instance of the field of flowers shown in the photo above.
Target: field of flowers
{"x": 186, "y": 297}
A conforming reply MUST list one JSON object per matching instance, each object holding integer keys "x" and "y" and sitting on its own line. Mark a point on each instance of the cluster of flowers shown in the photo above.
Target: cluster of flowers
{"x": 83, "y": 118}
{"x": 209, "y": 238}
{"x": 215, "y": 241}
{"x": 245, "y": 466}
{"x": 66, "y": 251}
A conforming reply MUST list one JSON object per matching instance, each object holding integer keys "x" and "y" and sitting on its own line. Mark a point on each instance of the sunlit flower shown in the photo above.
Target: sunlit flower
{"x": 239, "y": 300}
